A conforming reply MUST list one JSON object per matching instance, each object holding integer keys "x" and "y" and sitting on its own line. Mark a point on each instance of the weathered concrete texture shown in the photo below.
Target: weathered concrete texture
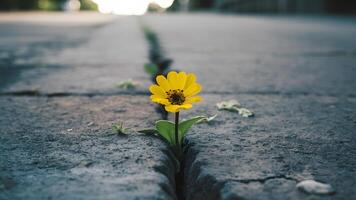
{"x": 275, "y": 62}
{"x": 23, "y": 45}
{"x": 262, "y": 54}
{"x": 103, "y": 55}
{"x": 64, "y": 148}
{"x": 291, "y": 138}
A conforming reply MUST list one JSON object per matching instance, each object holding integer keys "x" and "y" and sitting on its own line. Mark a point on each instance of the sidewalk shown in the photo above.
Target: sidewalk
{"x": 60, "y": 97}
{"x": 298, "y": 77}
{"x": 60, "y": 144}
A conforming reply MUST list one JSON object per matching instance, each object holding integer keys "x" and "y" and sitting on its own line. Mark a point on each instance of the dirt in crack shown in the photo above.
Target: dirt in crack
{"x": 179, "y": 179}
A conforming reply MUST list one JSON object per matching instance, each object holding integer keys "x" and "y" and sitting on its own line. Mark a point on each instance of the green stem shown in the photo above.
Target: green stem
{"x": 178, "y": 145}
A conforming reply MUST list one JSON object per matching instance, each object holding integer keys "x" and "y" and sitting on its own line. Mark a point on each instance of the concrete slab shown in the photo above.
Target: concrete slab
{"x": 290, "y": 139}
{"x": 64, "y": 148}
{"x": 262, "y": 54}
{"x": 97, "y": 59}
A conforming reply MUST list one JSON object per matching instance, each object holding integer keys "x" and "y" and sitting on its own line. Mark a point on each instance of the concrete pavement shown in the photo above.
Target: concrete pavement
{"x": 76, "y": 58}
{"x": 295, "y": 73}
{"x": 64, "y": 148}
{"x": 60, "y": 145}
{"x": 262, "y": 54}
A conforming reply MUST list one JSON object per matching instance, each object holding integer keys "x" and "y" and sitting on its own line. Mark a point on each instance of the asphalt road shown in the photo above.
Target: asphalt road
{"x": 59, "y": 77}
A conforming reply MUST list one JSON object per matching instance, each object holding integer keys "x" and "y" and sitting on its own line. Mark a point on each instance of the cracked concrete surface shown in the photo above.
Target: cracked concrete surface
{"x": 59, "y": 101}
{"x": 288, "y": 140}
{"x": 296, "y": 74}
{"x": 64, "y": 148}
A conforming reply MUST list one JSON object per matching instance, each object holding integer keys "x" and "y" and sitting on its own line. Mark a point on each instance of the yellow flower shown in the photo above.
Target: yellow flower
{"x": 176, "y": 92}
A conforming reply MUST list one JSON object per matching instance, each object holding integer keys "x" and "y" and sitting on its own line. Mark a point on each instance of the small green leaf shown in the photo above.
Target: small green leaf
{"x": 148, "y": 131}
{"x": 151, "y": 69}
{"x": 127, "y": 84}
{"x": 185, "y": 125}
{"x": 166, "y": 130}
{"x": 119, "y": 128}
{"x": 207, "y": 119}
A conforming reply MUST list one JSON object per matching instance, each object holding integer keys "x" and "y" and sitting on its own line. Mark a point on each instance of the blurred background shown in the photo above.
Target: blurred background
{"x": 139, "y": 7}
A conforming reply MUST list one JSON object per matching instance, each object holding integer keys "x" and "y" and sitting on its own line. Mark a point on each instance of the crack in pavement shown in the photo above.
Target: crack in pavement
{"x": 262, "y": 180}
{"x": 135, "y": 92}
{"x": 35, "y": 93}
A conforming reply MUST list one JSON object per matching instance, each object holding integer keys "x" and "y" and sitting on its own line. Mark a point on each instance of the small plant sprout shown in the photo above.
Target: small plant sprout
{"x": 128, "y": 84}
{"x": 151, "y": 69}
{"x": 119, "y": 128}
{"x": 176, "y": 92}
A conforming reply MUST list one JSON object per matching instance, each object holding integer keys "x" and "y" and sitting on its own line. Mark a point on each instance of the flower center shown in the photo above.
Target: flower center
{"x": 176, "y": 97}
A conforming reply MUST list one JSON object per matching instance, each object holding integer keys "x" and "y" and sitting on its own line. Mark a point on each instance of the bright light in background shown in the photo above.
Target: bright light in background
{"x": 163, "y": 3}
{"x": 71, "y": 5}
{"x": 129, "y": 7}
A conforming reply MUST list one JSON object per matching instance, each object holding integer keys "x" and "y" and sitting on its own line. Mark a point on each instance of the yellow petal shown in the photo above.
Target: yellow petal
{"x": 191, "y": 78}
{"x": 181, "y": 78}
{"x": 158, "y": 99}
{"x": 156, "y": 90}
{"x": 155, "y": 97}
{"x": 172, "y": 108}
{"x": 192, "y": 90}
{"x": 193, "y": 99}
{"x": 172, "y": 79}
{"x": 163, "y": 82}
{"x": 176, "y": 108}
{"x": 185, "y": 106}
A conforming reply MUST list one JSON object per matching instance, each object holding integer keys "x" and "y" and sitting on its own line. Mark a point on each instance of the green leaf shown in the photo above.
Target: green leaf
{"x": 119, "y": 128}
{"x": 128, "y": 84}
{"x": 151, "y": 69}
{"x": 208, "y": 120}
{"x": 185, "y": 125}
{"x": 166, "y": 130}
{"x": 148, "y": 131}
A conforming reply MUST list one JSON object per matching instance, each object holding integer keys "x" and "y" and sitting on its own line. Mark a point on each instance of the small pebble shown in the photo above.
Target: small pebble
{"x": 85, "y": 163}
{"x": 244, "y": 112}
{"x": 314, "y": 187}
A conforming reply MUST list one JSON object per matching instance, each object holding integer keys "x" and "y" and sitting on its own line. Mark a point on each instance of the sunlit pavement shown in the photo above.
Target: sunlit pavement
{"x": 60, "y": 96}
